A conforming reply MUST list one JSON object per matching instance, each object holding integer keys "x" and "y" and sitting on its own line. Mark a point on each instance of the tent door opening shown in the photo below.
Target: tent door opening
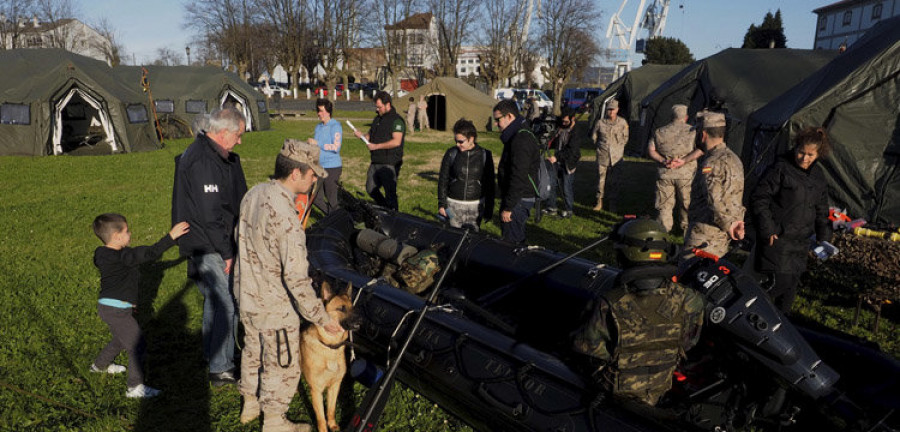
{"x": 231, "y": 99}
{"x": 437, "y": 111}
{"x": 81, "y": 124}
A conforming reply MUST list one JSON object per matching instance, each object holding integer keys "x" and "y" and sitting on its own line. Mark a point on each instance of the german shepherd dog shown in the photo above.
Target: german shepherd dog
{"x": 322, "y": 355}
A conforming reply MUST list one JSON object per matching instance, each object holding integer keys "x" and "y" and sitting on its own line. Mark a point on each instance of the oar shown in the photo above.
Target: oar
{"x": 376, "y": 398}
{"x": 497, "y": 294}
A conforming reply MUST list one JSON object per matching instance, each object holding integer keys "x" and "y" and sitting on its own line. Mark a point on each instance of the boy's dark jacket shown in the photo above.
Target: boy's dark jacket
{"x": 120, "y": 269}
{"x": 519, "y": 160}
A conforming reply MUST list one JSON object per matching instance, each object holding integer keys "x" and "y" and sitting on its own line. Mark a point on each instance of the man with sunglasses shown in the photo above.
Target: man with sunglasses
{"x": 517, "y": 171}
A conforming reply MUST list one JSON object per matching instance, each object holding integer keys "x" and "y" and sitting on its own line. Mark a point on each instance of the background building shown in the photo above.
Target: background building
{"x": 846, "y": 21}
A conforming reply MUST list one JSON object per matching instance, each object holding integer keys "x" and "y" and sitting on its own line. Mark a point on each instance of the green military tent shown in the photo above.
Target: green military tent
{"x": 629, "y": 90}
{"x": 55, "y": 102}
{"x": 856, "y": 97}
{"x": 180, "y": 93}
{"x": 450, "y": 99}
{"x": 736, "y": 81}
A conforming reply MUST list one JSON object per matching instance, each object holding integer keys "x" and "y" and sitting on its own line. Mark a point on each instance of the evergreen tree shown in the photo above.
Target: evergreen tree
{"x": 664, "y": 50}
{"x": 771, "y": 31}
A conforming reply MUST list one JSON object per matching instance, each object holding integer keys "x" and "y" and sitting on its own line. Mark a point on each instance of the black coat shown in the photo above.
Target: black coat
{"x": 565, "y": 150}
{"x": 467, "y": 176}
{"x": 518, "y": 165}
{"x": 792, "y": 204}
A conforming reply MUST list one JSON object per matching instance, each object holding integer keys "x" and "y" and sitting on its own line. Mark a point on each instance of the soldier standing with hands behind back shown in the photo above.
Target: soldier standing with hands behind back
{"x": 716, "y": 214}
{"x": 610, "y": 134}
{"x": 672, "y": 146}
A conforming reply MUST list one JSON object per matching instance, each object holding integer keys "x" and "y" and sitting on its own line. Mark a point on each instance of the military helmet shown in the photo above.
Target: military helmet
{"x": 642, "y": 241}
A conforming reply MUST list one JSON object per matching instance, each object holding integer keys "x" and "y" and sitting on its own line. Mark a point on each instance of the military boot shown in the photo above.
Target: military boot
{"x": 250, "y": 411}
{"x": 278, "y": 423}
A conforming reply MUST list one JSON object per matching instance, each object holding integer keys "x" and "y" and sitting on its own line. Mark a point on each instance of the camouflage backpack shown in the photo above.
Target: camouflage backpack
{"x": 418, "y": 271}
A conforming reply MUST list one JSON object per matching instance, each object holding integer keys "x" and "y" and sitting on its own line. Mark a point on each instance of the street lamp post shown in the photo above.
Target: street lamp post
{"x": 187, "y": 50}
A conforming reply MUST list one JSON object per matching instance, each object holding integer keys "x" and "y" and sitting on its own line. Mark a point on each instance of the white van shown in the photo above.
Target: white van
{"x": 544, "y": 103}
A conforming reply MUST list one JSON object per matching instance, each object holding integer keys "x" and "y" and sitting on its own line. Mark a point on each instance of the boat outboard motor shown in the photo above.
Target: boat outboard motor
{"x": 737, "y": 305}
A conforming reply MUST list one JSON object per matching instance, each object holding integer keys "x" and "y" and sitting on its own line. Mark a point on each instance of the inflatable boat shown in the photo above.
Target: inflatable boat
{"x": 494, "y": 348}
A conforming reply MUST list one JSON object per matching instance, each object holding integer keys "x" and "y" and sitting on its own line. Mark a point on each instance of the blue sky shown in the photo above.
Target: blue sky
{"x": 706, "y": 26}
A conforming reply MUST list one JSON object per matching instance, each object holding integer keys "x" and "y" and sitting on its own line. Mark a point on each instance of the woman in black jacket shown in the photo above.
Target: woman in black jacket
{"x": 789, "y": 205}
{"x": 466, "y": 182}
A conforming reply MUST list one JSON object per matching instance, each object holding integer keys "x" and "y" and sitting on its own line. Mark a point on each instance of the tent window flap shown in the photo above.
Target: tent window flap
{"x": 165, "y": 106}
{"x": 262, "y": 106}
{"x": 195, "y": 106}
{"x": 137, "y": 113}
{"x": 15, "y": 114}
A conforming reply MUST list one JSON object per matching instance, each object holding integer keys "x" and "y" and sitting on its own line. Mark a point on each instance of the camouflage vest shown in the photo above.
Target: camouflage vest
{"x": 650, "y": 330}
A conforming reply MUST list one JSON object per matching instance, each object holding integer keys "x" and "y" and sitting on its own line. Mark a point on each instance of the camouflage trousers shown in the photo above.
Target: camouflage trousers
{"x": 613, "y": 173}
{"x": 716, "y": 240}
{"x": 270, "y": 366}
{"x": 668, "y": 192}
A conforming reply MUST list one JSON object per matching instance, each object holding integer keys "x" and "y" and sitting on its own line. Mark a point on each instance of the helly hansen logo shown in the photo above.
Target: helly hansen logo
{"x": 211, "y": 188}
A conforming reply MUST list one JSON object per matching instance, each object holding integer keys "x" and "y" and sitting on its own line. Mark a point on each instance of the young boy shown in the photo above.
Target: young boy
{"x": 119, "y": 267}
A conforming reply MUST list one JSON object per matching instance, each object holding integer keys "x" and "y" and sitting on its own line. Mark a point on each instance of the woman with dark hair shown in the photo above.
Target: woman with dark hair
{"x": 328, "y": 136}
{"x": 789, "y": 205}
{"x": 466, "y": 181}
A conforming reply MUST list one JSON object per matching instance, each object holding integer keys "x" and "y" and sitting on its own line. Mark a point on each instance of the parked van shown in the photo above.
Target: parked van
{"x": 575, "y": 98}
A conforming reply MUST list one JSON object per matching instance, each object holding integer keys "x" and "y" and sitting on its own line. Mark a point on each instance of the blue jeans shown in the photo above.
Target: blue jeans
{"x": 568, "y": 184}
{"x": 514, "y": 230}
{"x": 218, "y": 311}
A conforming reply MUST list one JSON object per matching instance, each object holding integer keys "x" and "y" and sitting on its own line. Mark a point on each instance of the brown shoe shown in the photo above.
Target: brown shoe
{"x": 278, "y": 423}
{"x": 250, "y": 411}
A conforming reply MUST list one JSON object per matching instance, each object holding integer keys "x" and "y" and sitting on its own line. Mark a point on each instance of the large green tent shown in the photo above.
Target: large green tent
{"x": 856, "y": 97}
{"x": 450, "y": 99}
{"x": 180, "y": 93}
{"x": 736, "y": 81}
{"x": 629, "y": 90}
{"x": 55, "y": 102}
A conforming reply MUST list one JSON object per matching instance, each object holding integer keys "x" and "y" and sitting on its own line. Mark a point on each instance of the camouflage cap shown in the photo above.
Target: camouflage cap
{"x": 613, "y": 104}
{"x": 303, "y": 152}
{"x": 710, "y": 119}
{"x": 679, "y": 111}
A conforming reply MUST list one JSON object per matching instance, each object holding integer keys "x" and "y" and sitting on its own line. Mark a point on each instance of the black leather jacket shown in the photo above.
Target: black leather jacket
{"x": 467, "y": 176}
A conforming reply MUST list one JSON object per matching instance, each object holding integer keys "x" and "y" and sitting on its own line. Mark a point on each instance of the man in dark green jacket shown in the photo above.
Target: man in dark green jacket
{"x": 385, "y": 143}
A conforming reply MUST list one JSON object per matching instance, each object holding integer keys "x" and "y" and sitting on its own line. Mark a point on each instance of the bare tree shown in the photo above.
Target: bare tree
{"x": 453, "y": 20}
{"x": 289, "y": 22}
{"x": 232, "y": 26}
{"x": 53, "y": 11}
{"x": 380, "y": 29}
{"x": 111, "y": 49}
{"x": 503, "y": 37}
{"x": 565, "y": 42}
{"x": 165, "y": 56}
{"x": 336, "y": 33}
{"x": 13, "y": 12}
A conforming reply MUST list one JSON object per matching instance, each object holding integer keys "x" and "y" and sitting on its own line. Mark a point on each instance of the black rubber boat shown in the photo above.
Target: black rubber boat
{"x": 502, "y": 361}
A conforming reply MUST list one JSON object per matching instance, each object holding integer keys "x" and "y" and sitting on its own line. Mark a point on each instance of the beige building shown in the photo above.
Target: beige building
{"x": 69, "y": 34}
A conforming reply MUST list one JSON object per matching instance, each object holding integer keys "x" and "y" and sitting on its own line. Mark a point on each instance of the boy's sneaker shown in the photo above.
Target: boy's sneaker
{"x": 549, "y": 211}
{"x": 111, "y": 369}
{"x": 141, "y": 391}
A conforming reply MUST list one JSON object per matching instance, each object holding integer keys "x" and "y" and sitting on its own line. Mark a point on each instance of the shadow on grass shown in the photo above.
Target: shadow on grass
{"x": 175, "y": 362}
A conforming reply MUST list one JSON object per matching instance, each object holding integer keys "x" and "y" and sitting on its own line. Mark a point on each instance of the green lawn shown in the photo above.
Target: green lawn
{"x": 50, "y": 332}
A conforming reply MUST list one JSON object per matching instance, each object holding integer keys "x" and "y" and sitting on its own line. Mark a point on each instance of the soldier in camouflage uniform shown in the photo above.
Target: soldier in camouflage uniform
{"x": 273, "y": 288}
{"x": 641, "y": 328}
{"x": 672, "y": 147}
{"x": 716, "y": 214}
{"x": 610, "y": 134}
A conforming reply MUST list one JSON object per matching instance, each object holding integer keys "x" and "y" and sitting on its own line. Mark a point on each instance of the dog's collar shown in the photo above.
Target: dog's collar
{"x": 341, "y": 344}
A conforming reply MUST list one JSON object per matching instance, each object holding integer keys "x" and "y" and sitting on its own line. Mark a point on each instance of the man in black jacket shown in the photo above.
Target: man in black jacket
{"x": 209, "y": 185}
{"x": 517, "y": 172}
{"x": 565, "y": 157}
{"x": 385, "y": 143}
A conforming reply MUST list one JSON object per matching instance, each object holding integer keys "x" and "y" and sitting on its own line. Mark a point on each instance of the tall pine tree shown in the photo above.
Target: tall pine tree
{"x": 769, "y": 33}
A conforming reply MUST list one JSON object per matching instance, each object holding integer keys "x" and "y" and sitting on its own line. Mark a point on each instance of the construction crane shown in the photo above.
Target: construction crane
{"x": 652, "y": 18}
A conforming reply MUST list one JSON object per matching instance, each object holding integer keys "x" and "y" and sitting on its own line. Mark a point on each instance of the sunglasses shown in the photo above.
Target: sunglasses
{"x": 461, "y": 141}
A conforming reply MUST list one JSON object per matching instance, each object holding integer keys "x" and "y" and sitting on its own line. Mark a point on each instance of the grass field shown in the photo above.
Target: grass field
{"x": 50, "y": 332}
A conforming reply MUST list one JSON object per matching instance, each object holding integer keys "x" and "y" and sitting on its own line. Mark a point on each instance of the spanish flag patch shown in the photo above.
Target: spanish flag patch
{"x": 706, "y": 170}
{"x": 655, "y": 255}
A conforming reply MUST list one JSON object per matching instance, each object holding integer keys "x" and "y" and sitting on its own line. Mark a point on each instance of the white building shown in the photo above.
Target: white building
{"x": 69, "y": 34}
{"x": 846, "y": 21}
{"x": 468, "y": 62}
{"x": 417, "y": 37}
